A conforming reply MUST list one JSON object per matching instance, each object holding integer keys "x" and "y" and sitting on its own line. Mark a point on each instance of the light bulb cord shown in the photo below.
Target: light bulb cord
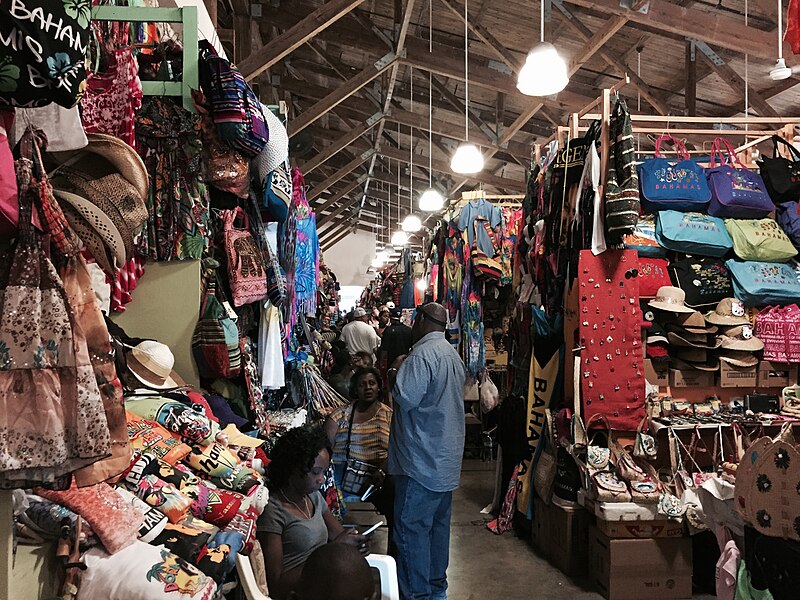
{"x": 541, "y": 22}
{"x": 466, "y": 70}
{"x": 780, "y": 29}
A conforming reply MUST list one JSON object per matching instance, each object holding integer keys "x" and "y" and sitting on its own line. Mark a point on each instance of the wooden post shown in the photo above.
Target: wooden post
{"x": 691, "y": 79}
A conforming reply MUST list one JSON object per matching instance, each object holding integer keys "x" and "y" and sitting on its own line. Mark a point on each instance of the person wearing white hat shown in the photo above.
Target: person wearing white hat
{"x": 360, "y": 336}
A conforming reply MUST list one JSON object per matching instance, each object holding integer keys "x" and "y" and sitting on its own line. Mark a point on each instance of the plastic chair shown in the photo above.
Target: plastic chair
{"x": 248, "y": 579}
{"x": 387, "y": 567}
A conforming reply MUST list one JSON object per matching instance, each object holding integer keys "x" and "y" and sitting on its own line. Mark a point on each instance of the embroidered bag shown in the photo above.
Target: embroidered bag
{"x": 544, "y": 474}
{"x": 622, "y": 186}
{"x": 483, "y": 266}
{"x": 679, "y": 186}
{"x": 246, "y": 269}
{"x": 278, "y": 193}
{"x": 761, "y": 283}
{"x": 45, "y": 59}
{"x": 781, "y": 175}
{"x": 643, "y": 238}
{"x": 770, "y": 329}
{"x": 761, "y": 239}
{"x": 645, "y": 445}
{"x": 737, "y": 193}
{"x": 215, "y": 341}
{"x": 705, "y": 281}
{"x": 653, "y": 274}
{"x": 692, "y": 233}
{"x": 234, "y": 107}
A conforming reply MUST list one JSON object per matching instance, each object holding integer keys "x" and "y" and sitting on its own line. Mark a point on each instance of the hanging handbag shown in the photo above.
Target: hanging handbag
{"x": 645, "y": 445}
{"x": 622, "y": 185}
{"x": 278, "y": 193}
{"x": 692, "y": 233}
{"x": 544, "y": 474}
{"x": 705, "y": 281}
{"x": 771, "y": 330}
{"x": 653, "y": 274}
{"x": 787, "y": 214}
{"x": 357, "y": 474}
{"x": 483, "y": 266}
{"x": 736, "y": 193}
{"x": 215, "y": 341}
{"x": 781, "y": 175}
{"x": 680, "y": 186}
{"x": 761, "y": 283}
{"x": 643, "y": 238}
{"x": 761, "y": 239}
{"x": 246, "y": 271}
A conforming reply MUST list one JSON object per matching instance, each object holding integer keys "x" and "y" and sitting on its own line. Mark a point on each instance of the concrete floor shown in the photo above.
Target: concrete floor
{"x": 485, "y": 566}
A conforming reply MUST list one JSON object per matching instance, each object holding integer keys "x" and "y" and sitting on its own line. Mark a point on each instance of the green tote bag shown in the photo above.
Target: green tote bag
{"x": 760, "y": 240}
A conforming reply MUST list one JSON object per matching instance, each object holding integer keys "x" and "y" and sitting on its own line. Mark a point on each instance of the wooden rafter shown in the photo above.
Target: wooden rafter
{"x": 349, "y": 189}
{"x": 339, "y": 144}
{"x": 340, "y": 174}
{"x": 277, "y": 49}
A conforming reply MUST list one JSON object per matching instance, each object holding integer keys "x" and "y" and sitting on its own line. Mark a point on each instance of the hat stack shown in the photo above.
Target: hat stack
{"x": 656, "y": 341}
{"x": 102, "y": 190}
{"x": 690, "y": 337}
{"x": 737, "y": 343}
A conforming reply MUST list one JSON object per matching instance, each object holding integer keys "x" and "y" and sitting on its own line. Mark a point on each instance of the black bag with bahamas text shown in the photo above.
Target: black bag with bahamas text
{"x": 43, "y": 44}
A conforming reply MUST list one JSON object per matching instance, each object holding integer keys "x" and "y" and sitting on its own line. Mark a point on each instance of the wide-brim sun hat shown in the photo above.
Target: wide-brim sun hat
{"x": 708, "y": 367}
{"x": 693, "y": 322}
{"x": 152, "y": 364}
{"x": 739, "y": 358}
{"x": 276, "y": 150}
{"x": 740, "y": 337}
{"x": 729, "y": 312}
{"x": 104, "y": 155}
{"x": 98, "y": 220}
{"x": 692, "y": 340}
{"x": 671, "y": 299}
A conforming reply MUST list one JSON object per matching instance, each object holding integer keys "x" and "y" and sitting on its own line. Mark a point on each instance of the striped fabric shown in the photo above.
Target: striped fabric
{"x": 370, "y": 440}
{"x": 622, "y": 187}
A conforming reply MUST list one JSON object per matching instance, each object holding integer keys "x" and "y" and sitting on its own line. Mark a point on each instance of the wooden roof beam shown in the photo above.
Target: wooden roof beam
{"x": 340, "y": 174}
{"x": 340, "y": 143}
{"x": 349, "y": 189}
{"x": 712, "y": 27}
{"x": 277, "y": 49}
{"x": 336, "y": 97}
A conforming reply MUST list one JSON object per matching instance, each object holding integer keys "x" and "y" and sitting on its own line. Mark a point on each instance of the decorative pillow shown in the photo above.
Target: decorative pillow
{"x": 154, "y": 520}
{"x": 192, "y": 426}
{"x": 142, "y": 572}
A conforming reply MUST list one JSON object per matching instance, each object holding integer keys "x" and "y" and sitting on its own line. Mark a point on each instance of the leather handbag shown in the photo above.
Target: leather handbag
{"x": 645, "y": 445}
{"x": 692, "y": 233}
{"x": 246, "y": 265}
{"x": 673, "y": 186}
{"x": 736, "y": 193}
{"x": 762, "y": 283}
{"x": 705, "y": 281}
{"x": 760, "y": 239}
{"x": 781, "y": 175}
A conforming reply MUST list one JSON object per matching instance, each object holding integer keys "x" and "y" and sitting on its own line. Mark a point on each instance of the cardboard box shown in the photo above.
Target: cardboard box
{"x": 641, "y": 529}
{"x": 656, "y": 376}
{"x": 737, "y": 377}
{"x": 680, "y": 378}
{"x": 776, "y": 375}
{"x": 637, "y": 569}
{"x": 561, "y": 534}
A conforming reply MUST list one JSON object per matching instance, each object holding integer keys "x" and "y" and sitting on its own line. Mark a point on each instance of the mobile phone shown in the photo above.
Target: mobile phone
{"x": 373, "y": 528}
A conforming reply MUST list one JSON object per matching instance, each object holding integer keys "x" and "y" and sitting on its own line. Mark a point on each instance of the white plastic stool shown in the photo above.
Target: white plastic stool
{"x": 387, "y": 567}
{"x": 248, "y": 579}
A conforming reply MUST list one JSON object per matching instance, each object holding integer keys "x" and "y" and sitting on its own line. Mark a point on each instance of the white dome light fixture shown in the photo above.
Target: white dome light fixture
{"x": 780, "y": 71}
{"x": 544, "y": 72}
{"x": 431, "y": 201}
{"x": 399, "y": 238}
{"x": 467, "y": 159}
{"x": 411, "y": 224}
{"x": 377, "y": 263}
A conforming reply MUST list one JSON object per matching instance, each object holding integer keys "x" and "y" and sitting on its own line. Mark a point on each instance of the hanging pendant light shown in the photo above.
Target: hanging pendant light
{"x": 399, "y": 237}
{"x": 431, "y": 201}
{"x": 544, "y": 72}
{"x": 780, "y": 70}
{"x": 468, "y": 159}
{"x": 411, "y": 224}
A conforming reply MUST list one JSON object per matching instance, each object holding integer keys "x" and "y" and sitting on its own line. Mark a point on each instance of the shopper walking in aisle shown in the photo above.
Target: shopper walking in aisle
{"x": 425, "y": 450}
{"x": 359, "y": 335}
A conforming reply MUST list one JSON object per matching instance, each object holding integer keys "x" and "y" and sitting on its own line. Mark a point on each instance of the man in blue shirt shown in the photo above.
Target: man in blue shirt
{"x": 425, "y": 450}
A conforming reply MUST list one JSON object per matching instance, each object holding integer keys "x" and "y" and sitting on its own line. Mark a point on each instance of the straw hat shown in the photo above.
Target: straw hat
{"x": 107, "y": 154}
{"x": 740, "y": 338}
{"x": 692, "y": 340}
{"x": 98, "y": 220}
{"x": 90, "y": 238}
{"x": 728, "y": 312}
{"x": 671, "y": 299}
{"x": 709, "y": 366}
{"x": 151, "y": 363}
{"x": 276, "y": 150}
{"x": 739, "y": 358}
{"x": 692, "y": 322}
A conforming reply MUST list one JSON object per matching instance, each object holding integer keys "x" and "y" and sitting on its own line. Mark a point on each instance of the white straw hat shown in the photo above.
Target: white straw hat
{"x": 151, "y": 363}
{"x": 277, "y": 148}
